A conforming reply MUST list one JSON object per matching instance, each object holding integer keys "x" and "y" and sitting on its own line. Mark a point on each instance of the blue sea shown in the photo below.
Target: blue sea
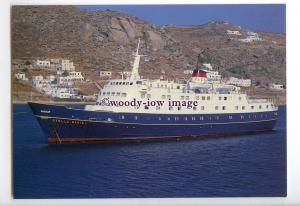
{"x": 239, "y": 166}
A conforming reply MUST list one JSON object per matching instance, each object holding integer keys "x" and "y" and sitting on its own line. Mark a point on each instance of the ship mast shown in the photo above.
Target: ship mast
{"x": 135, "y": 69}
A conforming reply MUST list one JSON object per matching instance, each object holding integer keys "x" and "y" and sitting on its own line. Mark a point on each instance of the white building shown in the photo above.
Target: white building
{"x": 105, "y": 73}
{"x": 65, "y": 80}
{"x": 251, "y": 33}
{"x": 42, "y": 63}
{"x": 67, "y": 65}
{"x": 63, "y": 93}
{"x": 37, "y": 79}
{"x": 72, "y": 76}
{"x": 230, "y": 32}
{"x": 21, "y": 76}
{"x": 50, "y": 78}
{"x": 188, "y": 72}
{"x": 213, "y": 75}
{"x": 76, "y": 76}
{"x": 208, "y": 66}
{"x": 276, "y": 86}
{"x": 239, "y": 82}
{"x": 54, "y": 61}
{"x": 251, "y": 38}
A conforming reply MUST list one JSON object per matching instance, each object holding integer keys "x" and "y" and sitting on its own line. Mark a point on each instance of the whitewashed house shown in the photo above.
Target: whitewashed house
{"x": 230, "y": 32}
{"x": 239, "y": 82}
{"x": 252, "y": 36}
{"x": 188, "y": 72}
{"x": 251, "y": 33}
{"x": 208, "y": 66}
{"x": 67, "y": 65}
{"x": 50, "y": 78}
{"x": 105, "y": 73}
{"x": 42, "y": 63}
{"x": 276, "y": 86}
{"x": 63, "y": 93}
{"x": 213, "y": 75}
{"x": 21, "y": 76}
{"x": 76, "y": 76}
{"x": 37, "y": 79}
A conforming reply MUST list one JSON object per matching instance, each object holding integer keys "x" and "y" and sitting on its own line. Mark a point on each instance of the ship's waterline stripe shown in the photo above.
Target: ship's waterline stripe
{"x": 112, "y": 139}
{"x": 113, "y": 122}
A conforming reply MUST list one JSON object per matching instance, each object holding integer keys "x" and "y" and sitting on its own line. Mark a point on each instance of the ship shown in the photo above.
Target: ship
{"x": 134, "y": 108}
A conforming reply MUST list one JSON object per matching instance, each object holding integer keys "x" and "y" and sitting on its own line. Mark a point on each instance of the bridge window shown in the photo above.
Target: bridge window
{"x": 216, "y": 107}
{"x": 124, "y": 94}
{"x": 224, "y": 108}
{"x": 197, "y": 97}
{"x": 203, "y": 97}
{"x": 202, "y": 107}
{"x": 220, "y": 98}
{"x": 187, "y": 97}
{"x": 252, "y": 107}
{"x": 179, "y": 108}
{"x": 194, "y": 108}
{"x": 157, "y": 107}
{"x": 225, "y": 98}
{"x": 240, "y": 98}
{"x": 208, "y": 97}
{"x": 236, "y": 107}
{"x": 118, "y": 93}
{"x": 131, "y": 83}
{"x": 146, "y": 107}
{"x": 259, "y": 106}
{"x": 108, "y": 93}
{"x": 243, "y": 107}
{"x": 113, "y": 94}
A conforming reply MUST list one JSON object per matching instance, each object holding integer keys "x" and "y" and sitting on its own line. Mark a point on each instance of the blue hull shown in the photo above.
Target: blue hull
{"x": 62, "y": 124}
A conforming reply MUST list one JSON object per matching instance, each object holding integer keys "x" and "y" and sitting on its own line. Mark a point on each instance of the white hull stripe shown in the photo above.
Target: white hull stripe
{"x": 113, "y": 122}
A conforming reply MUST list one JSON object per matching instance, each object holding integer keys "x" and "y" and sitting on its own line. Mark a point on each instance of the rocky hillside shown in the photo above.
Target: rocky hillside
{"x": 101, "y": 40}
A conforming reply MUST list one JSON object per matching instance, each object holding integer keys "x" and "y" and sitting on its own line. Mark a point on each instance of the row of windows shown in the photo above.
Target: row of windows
{"x": 188, "y": 97}
{"x": 121, "y": 83}
{"x": 253, "y": 116}
{"x": 114, "y": 94}
{"x": 203, "y": 108}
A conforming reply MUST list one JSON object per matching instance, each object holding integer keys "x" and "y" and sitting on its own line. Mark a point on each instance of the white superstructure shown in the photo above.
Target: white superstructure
{"x": 169, "y": 97}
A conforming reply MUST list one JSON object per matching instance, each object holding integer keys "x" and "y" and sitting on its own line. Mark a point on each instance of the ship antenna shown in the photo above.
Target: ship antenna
{"x": 198, "y": 61}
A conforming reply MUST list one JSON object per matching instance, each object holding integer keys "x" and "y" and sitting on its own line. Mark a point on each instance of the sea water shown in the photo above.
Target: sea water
{"x": 237, "y": 166}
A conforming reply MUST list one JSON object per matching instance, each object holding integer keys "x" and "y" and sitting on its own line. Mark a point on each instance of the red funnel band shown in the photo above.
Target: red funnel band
{"x": 202, "y": 74}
